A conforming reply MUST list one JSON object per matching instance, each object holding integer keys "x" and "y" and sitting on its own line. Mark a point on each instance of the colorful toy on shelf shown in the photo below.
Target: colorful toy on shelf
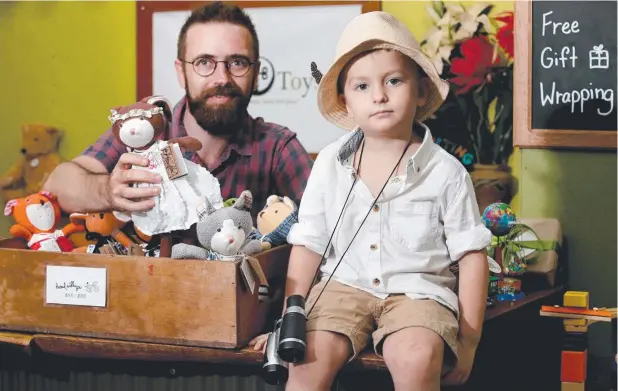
{"x": 514, "y": 246}
{"x": 39, "y": 148}
{"x": 577, "y": 317}
{"x": 499, "y": 218}
{"x": 509, "y": 289}
{"x": 36, "y": 217}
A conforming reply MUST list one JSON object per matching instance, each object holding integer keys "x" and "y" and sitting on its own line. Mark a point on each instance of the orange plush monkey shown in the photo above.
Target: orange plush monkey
{"x": 36, "y": 217}
{"x": 101, "y": 226}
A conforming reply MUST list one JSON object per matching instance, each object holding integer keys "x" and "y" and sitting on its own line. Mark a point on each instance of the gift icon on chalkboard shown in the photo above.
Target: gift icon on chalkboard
{"x": 599, "y": 57}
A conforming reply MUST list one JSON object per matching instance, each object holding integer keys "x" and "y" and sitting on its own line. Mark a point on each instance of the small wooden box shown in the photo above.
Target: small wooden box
{"x": 157, "y": 300}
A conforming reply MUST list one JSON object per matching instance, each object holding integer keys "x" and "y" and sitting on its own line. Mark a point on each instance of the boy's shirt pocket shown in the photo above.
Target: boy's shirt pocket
{"x": 414, "y": 223}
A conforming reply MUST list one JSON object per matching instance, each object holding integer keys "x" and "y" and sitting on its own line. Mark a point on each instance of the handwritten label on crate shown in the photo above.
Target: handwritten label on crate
{"x": 72, "y": 285}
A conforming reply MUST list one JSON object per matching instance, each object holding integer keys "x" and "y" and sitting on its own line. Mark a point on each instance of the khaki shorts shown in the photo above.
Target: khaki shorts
{"x": 355, "y": 313}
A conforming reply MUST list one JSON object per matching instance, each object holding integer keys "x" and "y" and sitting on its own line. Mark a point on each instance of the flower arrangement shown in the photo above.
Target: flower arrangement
{"x": 474, "y": 52}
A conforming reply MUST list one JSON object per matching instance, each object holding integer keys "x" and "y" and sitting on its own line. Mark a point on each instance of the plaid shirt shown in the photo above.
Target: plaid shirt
{"x": 266, "y": 159}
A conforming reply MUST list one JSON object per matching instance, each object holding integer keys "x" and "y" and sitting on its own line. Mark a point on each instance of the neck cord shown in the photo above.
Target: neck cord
{"x": 359, "y": 228}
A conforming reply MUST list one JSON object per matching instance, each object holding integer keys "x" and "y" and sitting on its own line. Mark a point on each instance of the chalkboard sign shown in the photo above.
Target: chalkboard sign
{"x": 565, "y": 76}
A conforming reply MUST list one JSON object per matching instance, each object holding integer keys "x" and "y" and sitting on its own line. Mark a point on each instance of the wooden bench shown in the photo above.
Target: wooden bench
{"x": 517, "y": 345}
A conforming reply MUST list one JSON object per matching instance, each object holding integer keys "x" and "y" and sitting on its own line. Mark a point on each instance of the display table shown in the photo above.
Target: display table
{"x": 517, "y": 346}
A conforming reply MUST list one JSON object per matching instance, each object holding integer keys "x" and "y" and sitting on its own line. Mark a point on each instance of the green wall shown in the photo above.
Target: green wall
{"x": 579, "y": 189}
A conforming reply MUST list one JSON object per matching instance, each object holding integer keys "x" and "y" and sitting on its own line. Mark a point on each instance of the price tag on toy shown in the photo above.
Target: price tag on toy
{"x": 71, "y": 285}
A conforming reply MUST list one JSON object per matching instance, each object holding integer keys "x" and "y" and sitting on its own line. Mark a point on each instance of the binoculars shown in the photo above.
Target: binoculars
{"x": 286, "y": 344}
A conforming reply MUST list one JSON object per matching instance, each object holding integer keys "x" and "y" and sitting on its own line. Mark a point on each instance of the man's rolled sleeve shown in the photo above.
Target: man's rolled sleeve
{"x": 311, "y": 231}
{"x": 107, "y": 149}
{"x": 463, "y": 228}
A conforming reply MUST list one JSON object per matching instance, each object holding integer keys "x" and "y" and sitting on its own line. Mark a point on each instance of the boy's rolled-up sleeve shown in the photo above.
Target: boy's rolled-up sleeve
{"x": 311, "y": 231}
{"x": 463, "y": 227}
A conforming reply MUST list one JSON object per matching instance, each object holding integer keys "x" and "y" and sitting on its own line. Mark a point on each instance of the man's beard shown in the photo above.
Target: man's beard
{"x": 224, "y": 119}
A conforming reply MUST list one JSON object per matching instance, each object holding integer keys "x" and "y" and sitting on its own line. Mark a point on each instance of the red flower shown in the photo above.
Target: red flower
{"x": 476, "y": 63}
{"x": 505, "y": 34}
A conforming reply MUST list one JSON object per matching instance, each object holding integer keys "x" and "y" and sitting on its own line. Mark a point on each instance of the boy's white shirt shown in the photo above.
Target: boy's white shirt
{"x": 427, "y": 218}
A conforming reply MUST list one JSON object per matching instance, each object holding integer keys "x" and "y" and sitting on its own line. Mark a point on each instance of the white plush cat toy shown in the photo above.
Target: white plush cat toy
{"x": 222, "y": 232}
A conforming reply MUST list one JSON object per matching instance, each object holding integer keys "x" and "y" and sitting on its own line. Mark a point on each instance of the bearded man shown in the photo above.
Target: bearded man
{"x": 218, "y": 66}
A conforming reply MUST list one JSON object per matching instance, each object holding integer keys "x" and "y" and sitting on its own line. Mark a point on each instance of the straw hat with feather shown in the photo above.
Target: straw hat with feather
{"x": 369, "y": 31}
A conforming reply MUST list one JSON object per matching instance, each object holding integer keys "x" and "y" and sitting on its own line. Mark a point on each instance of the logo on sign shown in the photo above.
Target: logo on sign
{"x": 266, "y": 77}
{"x": 276, "y": 86}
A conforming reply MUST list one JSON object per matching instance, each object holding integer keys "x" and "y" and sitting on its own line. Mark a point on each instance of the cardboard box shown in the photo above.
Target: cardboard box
{"x": 157, "y": 300}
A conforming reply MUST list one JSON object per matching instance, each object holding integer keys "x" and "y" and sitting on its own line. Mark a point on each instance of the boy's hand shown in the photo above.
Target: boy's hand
{"x": 259, "y": 342}
{"x": 466, "y": 352}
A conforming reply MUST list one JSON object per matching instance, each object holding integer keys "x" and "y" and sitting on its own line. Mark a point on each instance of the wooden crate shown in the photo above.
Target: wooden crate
{"x": 157, "y": 300}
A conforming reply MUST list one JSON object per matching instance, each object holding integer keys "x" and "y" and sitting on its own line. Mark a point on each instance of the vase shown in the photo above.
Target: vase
{"x": 493, "y": 183}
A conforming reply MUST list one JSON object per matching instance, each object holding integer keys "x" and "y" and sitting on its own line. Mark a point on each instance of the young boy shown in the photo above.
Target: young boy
{"x": 393, "y": 285}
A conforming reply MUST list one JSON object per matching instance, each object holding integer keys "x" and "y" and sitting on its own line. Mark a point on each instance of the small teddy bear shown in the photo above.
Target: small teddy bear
{"x": 39, "y": 147}
{"x": 222, "y": 232}
{"x": 275, "y": 220}
{"x": 36, "y": 217}
{"x": 139, "y": 127}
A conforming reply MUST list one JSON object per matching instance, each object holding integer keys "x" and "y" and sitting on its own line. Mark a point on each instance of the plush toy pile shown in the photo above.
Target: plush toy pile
{"x": 189, "y": 221}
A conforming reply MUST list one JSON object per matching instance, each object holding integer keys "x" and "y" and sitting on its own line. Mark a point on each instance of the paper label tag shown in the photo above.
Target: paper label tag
{"x": 247, "y": 275}
{"x": 71, "y": 285}
{"x": 257, "y": 269}
{"x": 173, "y": 161}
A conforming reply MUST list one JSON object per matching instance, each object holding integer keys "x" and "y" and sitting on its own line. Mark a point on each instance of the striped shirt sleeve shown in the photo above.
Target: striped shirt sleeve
{"x": 107, "y": 149}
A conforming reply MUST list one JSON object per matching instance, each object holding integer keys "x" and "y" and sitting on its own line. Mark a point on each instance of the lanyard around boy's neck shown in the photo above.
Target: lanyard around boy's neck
{"x": 360, "y": 158}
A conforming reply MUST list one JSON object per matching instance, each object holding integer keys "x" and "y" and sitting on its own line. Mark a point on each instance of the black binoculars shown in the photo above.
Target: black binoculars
{"x": 286, "y": 343}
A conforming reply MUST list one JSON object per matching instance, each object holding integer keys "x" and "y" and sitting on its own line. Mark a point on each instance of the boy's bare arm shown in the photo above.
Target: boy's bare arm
{"x": 473, "y": 284}
{"x": 301, "y": 270}
{"x": 80, "y": 185}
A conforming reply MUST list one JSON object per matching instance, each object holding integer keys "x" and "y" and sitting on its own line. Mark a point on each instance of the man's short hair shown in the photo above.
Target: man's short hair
{"x": 222, "y": 13}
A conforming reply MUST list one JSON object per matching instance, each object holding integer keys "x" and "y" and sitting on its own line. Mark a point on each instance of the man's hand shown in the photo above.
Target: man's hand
{"x": 124, "y": 197}
{"x": 466, "y": 350}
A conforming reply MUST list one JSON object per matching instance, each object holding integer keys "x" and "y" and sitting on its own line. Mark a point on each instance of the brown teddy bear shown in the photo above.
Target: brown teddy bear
{"x": 39, "y": 148}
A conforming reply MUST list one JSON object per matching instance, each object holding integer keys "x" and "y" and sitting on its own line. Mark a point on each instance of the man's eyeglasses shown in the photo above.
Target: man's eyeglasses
{"x": 236, "y": 66}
